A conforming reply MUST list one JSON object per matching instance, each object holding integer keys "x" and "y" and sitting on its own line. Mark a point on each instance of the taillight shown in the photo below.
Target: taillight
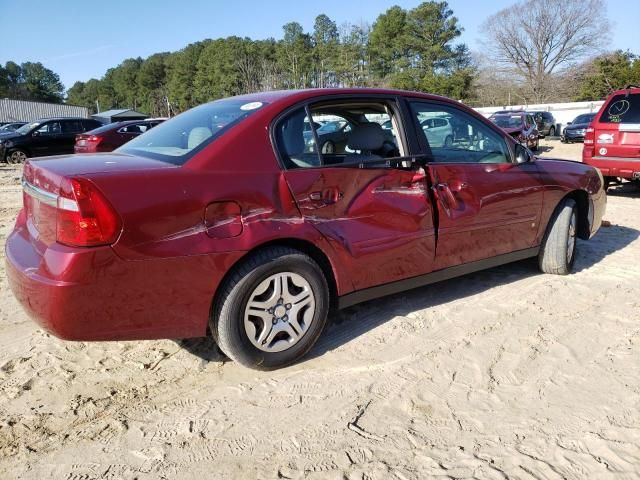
{"x": 589, "y": 138}
{"x": 95, "y": 139}
{"x": 589, "y": 135}
{"x": 84, "y": 216}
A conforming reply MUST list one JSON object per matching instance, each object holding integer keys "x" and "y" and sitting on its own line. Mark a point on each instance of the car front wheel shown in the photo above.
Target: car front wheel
{"x": 271, "y": 309}
{"x": 558, "y": 250}
{"x": 17, "y": 156}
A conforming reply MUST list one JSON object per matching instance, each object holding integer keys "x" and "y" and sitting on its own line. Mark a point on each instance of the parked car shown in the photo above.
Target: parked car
{"x": 612, "y": 141}
{"x": 575, "y": 130}
{"x": 109, "y": 137}
{"x": 546, "y": 123}
{"x": 520, "y": 125}
{"x": 49, "y": 136}
{"x": 11, "y": 127}
{"x": 234, "y": 226}
{"x": 438, "y": 131}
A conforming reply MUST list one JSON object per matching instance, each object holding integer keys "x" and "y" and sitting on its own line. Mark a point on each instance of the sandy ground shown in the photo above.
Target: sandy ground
{"x": 506, "y": 373}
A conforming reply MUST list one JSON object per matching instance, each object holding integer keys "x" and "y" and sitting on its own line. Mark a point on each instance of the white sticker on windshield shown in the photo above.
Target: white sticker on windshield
{"x": 251, "y": 106}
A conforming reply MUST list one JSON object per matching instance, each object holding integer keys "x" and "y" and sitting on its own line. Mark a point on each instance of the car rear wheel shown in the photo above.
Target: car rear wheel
{"x": 448, "y": 142}
{"x": 558, "y": 250}
{"x": 552, "y": 131}
{"x": 17, "y": 156}
{"x": 272, "y": 309}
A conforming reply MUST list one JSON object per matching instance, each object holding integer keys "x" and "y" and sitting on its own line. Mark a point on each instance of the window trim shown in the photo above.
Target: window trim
{"x": 424, "y": 144}
{"x": 393, "y": 101}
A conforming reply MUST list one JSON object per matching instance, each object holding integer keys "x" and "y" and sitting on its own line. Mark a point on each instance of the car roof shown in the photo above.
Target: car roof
{"x": 276, "y": 96}
{"x": 48, "y": 119}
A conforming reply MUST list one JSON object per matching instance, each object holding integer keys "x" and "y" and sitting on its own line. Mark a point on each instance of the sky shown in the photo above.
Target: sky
{"x": 80, "y": 40}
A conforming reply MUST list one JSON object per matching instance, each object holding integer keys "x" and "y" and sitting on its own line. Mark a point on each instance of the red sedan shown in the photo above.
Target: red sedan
{"x": 113, "y": 135}
{"x": 230, "y": 217}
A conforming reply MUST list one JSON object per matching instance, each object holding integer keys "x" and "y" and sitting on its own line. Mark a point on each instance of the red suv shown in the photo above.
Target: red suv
{"x": 612, "y": 140}
{"x": 109, "y": 137}
{"x": 229, "y": 218}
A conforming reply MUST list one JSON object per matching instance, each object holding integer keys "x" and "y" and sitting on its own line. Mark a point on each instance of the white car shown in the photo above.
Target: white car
{"x": 438, "y": 131}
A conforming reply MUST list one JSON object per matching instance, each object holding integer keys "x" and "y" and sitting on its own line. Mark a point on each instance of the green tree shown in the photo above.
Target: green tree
{"x": 152, "y": 85}
{"x": 182, "y": 68}
{"x": 325, "y": 50}
{"x": 608, "y": 73}
{"x": 414, "y": 50}
{"x": 31, "y": 81}
{"x": 295, "y": 56}
{"x": 125, "y": 83}
{"x": 388, "y": 43}
{"x": 352, "y": 63}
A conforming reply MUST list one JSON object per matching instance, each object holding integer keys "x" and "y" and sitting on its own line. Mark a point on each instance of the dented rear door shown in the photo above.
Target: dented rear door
{"x": 379, "y": 221}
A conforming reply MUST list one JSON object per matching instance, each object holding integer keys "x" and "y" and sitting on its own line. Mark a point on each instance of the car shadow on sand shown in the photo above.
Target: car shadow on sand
{"x": 345, "y": 325}
{"x": 352, "y": 322}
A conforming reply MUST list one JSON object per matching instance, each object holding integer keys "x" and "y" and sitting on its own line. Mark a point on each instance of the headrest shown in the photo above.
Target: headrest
{"x": 366, "y": 136}
{"x": 197, "y": 135}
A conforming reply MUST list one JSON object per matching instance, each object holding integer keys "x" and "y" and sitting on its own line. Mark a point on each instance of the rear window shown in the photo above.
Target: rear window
{"x": 622, "y": 108}
{"x": 507, "y": 121}
{"x": 177, "y": 140}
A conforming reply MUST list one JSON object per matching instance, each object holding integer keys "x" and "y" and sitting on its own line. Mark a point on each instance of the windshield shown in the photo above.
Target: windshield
{"x": 586, "y": 118}
{"x": 178, "y": 139}
{"x": 507, "y": 121}
{"x": 23, "y": 130}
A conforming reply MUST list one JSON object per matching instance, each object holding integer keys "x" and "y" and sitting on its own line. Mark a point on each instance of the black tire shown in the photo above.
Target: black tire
{"x": 536, "y": 147}
{"x": 448, "y": 141}
{"x": 552, "y": 131}
{"x": 557, "y": 252}
{"x": 228, "y": 320}
{"x": 17, "y": 156}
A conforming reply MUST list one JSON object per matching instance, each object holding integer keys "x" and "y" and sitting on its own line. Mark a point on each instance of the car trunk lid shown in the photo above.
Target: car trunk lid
{"x": 50, "y": 187}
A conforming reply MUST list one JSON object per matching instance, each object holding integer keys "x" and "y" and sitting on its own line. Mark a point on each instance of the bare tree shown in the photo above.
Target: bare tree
{"x": 536, "y": 38}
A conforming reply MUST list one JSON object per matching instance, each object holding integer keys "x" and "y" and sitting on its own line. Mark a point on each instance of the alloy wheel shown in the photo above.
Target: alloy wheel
{"x": 279, "y": 312}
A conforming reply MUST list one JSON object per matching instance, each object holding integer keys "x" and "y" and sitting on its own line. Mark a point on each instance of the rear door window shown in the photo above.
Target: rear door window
{"x": 71, "y": 126}
{"x": 339, "y": 134}
{"x": 622, "y": 108}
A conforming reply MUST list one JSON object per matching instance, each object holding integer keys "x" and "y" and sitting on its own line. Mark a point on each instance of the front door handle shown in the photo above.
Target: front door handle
{"x": 328, "y": 196}
{"x": 443, "y": 189}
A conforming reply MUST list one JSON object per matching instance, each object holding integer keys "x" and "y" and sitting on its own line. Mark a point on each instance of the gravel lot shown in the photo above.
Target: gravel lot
{"x": 506, "y": 373}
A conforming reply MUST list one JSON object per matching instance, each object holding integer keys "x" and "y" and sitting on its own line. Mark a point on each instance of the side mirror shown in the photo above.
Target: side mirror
{"x": 523, "y": 155}
{"x": 569, "y": 123}
{"x": 35, "y": 134}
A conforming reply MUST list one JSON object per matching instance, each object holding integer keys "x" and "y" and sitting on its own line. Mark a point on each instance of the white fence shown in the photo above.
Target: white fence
{"x": 562, "y": 112}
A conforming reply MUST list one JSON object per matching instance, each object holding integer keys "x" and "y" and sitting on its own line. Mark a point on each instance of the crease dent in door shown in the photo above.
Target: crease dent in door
{"x": 381, "y": 226}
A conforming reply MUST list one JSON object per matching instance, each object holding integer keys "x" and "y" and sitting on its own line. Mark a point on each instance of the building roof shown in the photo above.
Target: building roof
{"x": 123, "y": 112}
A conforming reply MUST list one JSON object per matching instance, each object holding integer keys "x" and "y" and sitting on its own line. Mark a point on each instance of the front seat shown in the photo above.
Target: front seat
{"x": 294, "y": 145}
{"x": 366, "y": 138}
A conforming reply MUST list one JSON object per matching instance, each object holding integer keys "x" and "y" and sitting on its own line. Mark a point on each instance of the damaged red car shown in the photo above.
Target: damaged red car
{"x": 520, "y": 125}
{"x": 232, "y": 218}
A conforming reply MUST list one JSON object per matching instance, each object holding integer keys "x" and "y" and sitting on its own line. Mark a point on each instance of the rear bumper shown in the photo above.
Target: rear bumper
{"x": 615, "y": 166}
{"x": 92, "y": 294}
